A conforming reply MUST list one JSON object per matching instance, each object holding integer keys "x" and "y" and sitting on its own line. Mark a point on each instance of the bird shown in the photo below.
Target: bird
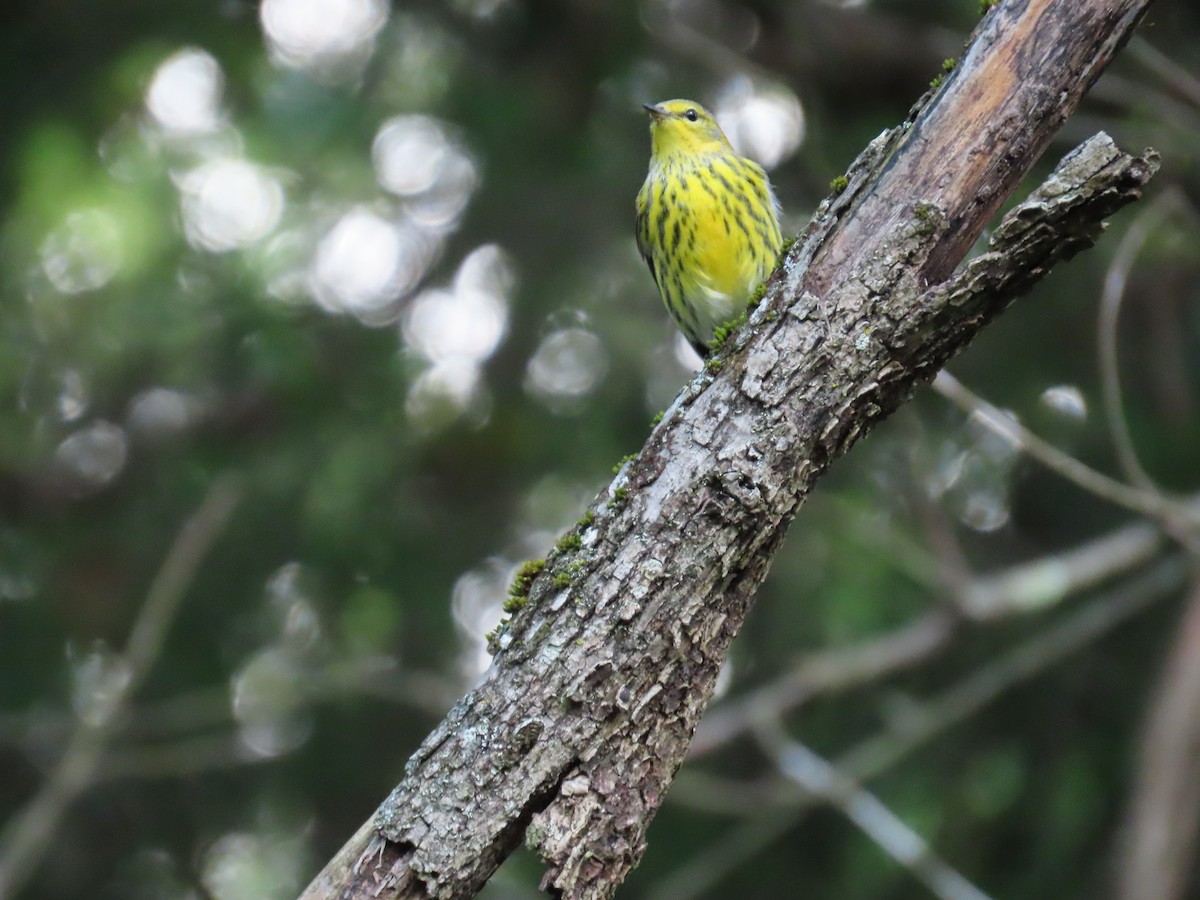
{"x": 707, "y": 220}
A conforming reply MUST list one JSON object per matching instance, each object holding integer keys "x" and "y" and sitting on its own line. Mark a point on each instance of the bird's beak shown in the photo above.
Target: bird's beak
{"x": 656, "y": 112}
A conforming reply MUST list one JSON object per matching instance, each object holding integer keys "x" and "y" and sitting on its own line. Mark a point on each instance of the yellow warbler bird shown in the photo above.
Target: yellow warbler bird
{"x": 707, "y": 220}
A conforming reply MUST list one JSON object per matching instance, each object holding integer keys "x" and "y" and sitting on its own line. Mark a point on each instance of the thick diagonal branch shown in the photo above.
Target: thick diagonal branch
{"x": 572, "y": 738}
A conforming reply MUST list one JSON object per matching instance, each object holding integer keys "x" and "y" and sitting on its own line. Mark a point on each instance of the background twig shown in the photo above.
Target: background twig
{"x": 27, "y": 836}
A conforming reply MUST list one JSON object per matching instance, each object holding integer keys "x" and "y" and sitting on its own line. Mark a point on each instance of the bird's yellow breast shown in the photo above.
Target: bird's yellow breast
{"x": 707, "y": 225}
{"x": 721, "y": 258}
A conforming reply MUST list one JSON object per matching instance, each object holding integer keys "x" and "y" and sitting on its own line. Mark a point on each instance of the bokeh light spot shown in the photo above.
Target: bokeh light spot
{"x": 416, "y": 159}
{"x": 764, "y": 122}
{"x": 248, "y": 866}
{"x": 313, "y": 33}
{"x": 160, "y": 413}
{"x": 268, "y": 702}
{"x": 994, "y": 438}
{"x": 985, "y": 509}
{"x": 184, "y": 96}
{"x": 445, "y": 326}
{"x": 440, "y": 207}
{"x": 468, "y": 322}
{"x": 1066, "y": 400}
{"x": 443, "y": 393}
{"x": 408, "y": 152}
{"x": 566, "y": 366}
{"x": 73, "y": 396}
{"x": 229, "y": 204}
{"x": 93, "y": 456}
{"x": 365, "y": 262}
{"x": 476, "y": 603}
{"x": 84, "y": 253}
{"x": 98, "y": 680}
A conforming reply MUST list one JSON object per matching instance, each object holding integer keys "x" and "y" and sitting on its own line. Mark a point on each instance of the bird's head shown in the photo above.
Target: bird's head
{"x": 683, "y": 128}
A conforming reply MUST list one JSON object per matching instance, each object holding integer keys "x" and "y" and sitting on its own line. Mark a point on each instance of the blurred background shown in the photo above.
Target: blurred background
{"x": 352, "y": 288}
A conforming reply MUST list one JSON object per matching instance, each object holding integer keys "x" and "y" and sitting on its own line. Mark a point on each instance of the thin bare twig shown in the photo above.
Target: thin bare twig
{"x": 1178, "y": 79}
{"x": 1115, "y": 281}
{"x": 209, "y": 708}
{"x": 1041, "y": 583}
{"x": 924, "y": 721}
{"x": 813, "y": 773}
{"x": 179, "y": 758}
{"x": 1021, "y": 589}
{"x": 832, "y": 670}
{"x": 1162, "y": 821}
{"x": 27, "y": 836}
{"x": 1143, "y": 502}
{"x": 1029, "y": 658}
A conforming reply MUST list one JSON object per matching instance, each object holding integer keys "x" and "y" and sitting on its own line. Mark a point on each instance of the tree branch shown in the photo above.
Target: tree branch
{"x": 574, "y": 734}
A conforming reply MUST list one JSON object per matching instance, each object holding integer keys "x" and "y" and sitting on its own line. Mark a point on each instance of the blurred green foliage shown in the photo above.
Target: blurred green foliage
{"x": 230, "y": 278}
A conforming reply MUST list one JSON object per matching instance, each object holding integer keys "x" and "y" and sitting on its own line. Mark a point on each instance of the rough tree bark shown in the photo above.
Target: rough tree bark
{"x": 573, "y": 736}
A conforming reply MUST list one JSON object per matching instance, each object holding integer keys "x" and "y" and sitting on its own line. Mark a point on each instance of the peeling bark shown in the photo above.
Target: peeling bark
{"x": 576, "y": 731}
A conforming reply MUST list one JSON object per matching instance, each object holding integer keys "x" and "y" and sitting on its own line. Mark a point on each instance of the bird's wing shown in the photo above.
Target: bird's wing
{"x": 641, "y": 230}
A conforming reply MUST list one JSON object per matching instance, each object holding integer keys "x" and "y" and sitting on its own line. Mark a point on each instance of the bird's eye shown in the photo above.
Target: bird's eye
{"x": 691, "y": 115}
